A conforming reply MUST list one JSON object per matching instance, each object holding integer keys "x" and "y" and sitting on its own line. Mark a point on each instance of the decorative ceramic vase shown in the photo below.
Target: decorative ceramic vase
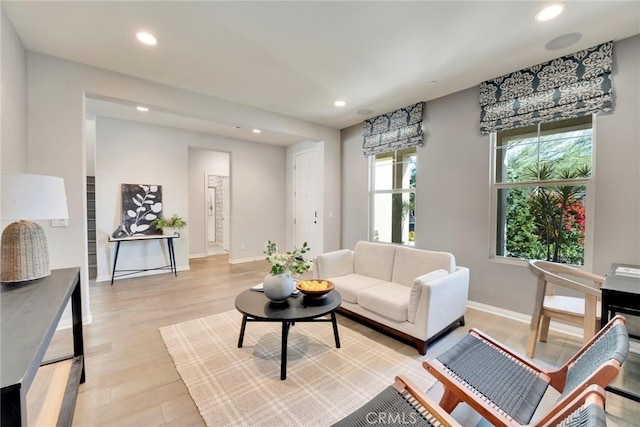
{"x": 278, "y": 287}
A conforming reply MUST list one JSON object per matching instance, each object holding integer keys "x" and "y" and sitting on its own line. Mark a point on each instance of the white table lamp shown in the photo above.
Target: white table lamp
{"x": 25, "y": 255}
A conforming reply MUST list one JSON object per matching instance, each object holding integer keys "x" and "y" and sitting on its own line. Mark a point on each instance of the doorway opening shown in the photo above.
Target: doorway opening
{"x": 217, "y": 214}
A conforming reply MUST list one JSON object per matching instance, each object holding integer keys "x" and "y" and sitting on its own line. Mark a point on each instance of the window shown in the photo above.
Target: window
{"x": 393, "y": 196}
{"x": 541, "y": 183}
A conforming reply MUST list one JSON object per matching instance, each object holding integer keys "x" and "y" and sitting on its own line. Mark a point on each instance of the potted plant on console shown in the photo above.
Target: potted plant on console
{"x": 278, "y": 285}
{"x": 169, "y": 225}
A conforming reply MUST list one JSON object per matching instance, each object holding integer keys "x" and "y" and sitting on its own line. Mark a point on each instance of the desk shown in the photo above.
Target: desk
{"x": 30, "y": 315}
{"x": 172, "y": 254}
{"x": 621, "y": 294}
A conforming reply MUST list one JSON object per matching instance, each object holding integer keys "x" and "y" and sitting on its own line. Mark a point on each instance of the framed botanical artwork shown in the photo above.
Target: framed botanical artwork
{"x": 141, "y": 204}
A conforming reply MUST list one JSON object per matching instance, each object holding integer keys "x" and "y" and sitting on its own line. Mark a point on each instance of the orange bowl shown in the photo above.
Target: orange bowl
{"x": 314, "y": 290}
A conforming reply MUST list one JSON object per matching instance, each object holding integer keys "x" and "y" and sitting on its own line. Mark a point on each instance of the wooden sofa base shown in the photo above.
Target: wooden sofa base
{"x": 419, "y": 344}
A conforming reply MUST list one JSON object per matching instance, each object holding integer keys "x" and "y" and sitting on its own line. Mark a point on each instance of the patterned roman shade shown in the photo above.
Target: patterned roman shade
{"x": 396, "y": 130}
{"x": 574, "y": 85}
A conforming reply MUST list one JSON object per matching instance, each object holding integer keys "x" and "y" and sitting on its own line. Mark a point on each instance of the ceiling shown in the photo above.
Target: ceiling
{"x": 298, "y": 57}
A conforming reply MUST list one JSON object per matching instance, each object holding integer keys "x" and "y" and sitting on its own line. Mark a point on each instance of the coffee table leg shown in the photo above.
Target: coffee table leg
{"x": 335, "y": 329}
{"x": 283, "y": 353}
{"x": 242, "y": 327}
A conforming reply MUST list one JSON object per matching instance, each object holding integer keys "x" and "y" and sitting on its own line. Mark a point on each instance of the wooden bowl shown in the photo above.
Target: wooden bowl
{"x": 319, "y": 293}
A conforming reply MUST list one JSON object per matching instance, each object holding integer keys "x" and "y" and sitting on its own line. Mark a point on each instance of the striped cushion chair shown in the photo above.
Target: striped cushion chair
{"x": 401, "y": 404}
{"x": 506, "y": 388}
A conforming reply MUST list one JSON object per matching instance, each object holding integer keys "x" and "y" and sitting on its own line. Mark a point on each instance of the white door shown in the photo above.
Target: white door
{"x": 226, "y": 214}
{"x": 306, "y": 216}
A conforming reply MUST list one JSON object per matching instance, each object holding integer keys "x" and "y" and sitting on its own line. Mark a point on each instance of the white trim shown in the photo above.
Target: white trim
{"x": 197, "y": 256}
{"x": 562, "y": 328}
{"x": 243, "y": 260}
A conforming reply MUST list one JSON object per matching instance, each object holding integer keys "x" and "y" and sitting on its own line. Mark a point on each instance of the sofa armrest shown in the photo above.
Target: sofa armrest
{"x": 334, "y": 264}
{"x": 442, "y": 301}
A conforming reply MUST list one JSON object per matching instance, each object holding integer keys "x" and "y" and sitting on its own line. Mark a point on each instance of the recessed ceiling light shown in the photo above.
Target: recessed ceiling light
{"x": 147, "y": 38}
{"x": 339, "y": 103}
{"x": 142, "y": 108}
{"x": 550, "y": 12}
{"x": 257, "y": 131}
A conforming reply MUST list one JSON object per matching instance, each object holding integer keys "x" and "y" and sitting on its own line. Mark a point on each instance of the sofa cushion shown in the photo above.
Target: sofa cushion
{"x": 410, "y": 263}
{"x": 388, "y": 299}
{"x": 350, "y": 285}
{"x": 336, "y": 263}
{"x": 416, "y": 291}
{"x": 374, "y": 260}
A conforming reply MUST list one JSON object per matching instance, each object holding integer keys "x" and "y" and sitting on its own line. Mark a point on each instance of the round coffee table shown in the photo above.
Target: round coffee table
{"x": 256, "y": 307}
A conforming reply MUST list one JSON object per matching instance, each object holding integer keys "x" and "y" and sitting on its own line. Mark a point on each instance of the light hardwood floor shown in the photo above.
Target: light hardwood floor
{"x": 131, "y": 379}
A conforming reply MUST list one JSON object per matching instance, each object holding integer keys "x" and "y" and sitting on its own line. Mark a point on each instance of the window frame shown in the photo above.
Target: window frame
{"x": 589, "y": 184}
{"x": 373, "y": 192}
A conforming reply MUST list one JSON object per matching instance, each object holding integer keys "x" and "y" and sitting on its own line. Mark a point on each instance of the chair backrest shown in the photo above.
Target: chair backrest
{"x": 566, "y": 276}
{"x": 611, "y": 344}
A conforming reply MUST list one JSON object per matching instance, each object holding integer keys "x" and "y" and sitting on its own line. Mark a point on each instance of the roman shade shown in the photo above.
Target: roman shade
{"x": 571, "y": 86}
{"x": 396, "y": 130}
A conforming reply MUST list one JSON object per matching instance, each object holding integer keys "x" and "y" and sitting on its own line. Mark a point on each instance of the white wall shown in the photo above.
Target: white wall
{"x": 13, "y": 122}
{"x": 134, "y": 153}
{"x": 202, "y": 162}
{"x": 452, "y": 200}
{"x": 55, "y": 144}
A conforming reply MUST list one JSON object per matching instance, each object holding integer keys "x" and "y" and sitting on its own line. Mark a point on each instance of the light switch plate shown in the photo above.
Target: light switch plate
{"x": 59, "y": 223}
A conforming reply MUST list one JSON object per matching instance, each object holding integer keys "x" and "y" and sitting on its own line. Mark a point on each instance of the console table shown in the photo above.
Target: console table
{"x": 621, "y": 294}
{"x": 30, "y": 314}
{"x": 172, "y": 254}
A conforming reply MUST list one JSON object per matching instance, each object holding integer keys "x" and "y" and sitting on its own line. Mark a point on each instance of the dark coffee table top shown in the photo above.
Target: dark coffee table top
{"x": 257, "y": 305}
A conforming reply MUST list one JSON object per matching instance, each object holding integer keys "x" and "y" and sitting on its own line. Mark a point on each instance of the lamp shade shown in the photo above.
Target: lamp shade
{"x": 28, "y": 196}
{"x": 25, "y": 254}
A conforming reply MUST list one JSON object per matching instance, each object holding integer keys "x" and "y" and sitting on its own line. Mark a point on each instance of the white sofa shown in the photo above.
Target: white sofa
{"x": 413, "y": 294}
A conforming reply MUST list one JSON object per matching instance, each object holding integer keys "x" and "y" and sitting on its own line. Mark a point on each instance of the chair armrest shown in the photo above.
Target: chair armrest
{"x": 441, "y": 301}
{"x": 402, "y": 383}
{"x": 593, "y": 395}
{"x": 334, "y": 264}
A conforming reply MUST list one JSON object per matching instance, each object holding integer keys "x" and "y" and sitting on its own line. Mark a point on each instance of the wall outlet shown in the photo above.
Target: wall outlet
{"x": 59, "y": 222}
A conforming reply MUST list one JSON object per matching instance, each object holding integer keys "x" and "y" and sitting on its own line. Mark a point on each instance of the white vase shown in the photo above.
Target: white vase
{"x": 278, "y": 287}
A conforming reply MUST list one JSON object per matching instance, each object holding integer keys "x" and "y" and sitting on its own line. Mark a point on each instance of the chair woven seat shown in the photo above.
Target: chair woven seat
{"x": 390, "y": 408}
{"x": 509, "y": 385}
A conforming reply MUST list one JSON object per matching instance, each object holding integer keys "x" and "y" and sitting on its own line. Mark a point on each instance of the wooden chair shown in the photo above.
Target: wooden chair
{"x": 506, "y": 388}
{"x": 584, "y": 310}
{"x": 403, "y": 404}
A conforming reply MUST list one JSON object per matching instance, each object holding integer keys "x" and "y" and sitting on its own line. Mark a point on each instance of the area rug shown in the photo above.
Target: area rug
{"x": 242, "y": 386}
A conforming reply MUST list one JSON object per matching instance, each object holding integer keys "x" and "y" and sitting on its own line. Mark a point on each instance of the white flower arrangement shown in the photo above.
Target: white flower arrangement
{"x": 290, "y": 262}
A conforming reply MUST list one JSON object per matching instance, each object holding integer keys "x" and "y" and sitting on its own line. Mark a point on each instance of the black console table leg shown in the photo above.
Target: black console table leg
{"x": 115, "y": 262}
{"x": 172, "y": 256}
{"x": 76, "y": 315}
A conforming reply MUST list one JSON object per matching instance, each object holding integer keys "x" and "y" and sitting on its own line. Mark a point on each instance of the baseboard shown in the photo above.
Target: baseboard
{"x": 562, "y": 328}
{"x": 68, "y": 323}
{"x": 243, "y": 260}
{"x": 196, "y": 256}
{"x": 105, "y": 278}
